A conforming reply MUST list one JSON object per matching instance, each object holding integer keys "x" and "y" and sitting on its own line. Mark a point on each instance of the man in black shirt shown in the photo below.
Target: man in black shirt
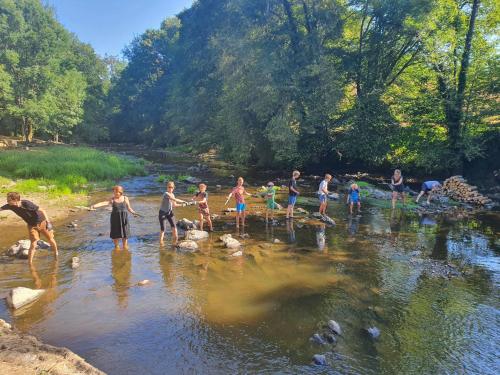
{"x": 36, "y": 218}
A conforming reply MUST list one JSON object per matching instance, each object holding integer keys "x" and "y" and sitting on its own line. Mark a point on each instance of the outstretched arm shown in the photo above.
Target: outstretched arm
{"x": 101, "y": 204}
{"x": 174, "y": 199}
{"x": 228, "y": 198}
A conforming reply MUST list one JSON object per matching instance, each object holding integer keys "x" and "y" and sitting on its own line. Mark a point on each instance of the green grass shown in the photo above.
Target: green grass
{"x": 170, "y": 177}
{"x": 62, "y": 170}
{"x": 192, "y": 189}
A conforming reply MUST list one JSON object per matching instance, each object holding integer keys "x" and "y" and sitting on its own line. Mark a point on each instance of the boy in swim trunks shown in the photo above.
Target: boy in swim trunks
{"x": 353, "y": 197}
{"x": 323, "y": 194}
{"x": 202, "y": 198}
{"x": 270, "y": 200}
{"x": 37, "y": 220}
{"x": 429, "y": 188}
{"x": 292, "y": 194}
{"x": 239, "y": 193}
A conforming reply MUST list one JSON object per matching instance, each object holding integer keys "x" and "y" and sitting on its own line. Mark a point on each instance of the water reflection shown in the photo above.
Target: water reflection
{"x": 321, "y": 237}
{"x": 121, "y": 269}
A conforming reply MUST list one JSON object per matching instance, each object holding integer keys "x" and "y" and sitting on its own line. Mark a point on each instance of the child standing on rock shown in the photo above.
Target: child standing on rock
{"x": 166, "y": 213}
{"x": 292, "y": 194}
{"x": 397, "y": 188}
{"x": 323, "y": 194}
{"x": 353, "y": 197}
{"x": 37, "y": 220}
{"x": 239, "y": 193}
{"x": 202, "y": 198}
{"x": 120, "y": 227}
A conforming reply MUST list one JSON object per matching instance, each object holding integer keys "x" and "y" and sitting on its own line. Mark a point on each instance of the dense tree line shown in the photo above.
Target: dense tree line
{"x": 408, "y": 83}
{"x": 51, "y": 84}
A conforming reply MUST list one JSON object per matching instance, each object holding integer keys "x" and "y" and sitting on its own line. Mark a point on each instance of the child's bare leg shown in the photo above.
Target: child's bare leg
{"x": 243, "y": 214}
{"x": 359, "y": 206}
{"x": 117, "y": 244}
{"x": 272, "y": 214}
{"x": 162, "y": 236}
{"x": 350, "y": 207}
{"x": 31, "y": 251}
{"x": 209, "y": 221}
{"x": 267, "y": 211}
{"x": 394, "y": 198}
{"x": 200, "y": 217}
{"x": 174, "y": 234}
{"x": 125, "y": 243}
{"x": 237, "y": 219}
{"x": 53, "y": 245}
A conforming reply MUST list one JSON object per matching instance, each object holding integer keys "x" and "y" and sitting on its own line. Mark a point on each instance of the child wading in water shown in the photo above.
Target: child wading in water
{"x": 166, "y": 213}
{"x": 270, "y": 200}
{"x": 292, "y": 194}
{"x": 397, "y": 187}
{"x": 120, "y": 227}
{"x": 37, "y": 220}
{"x": 202, "y": 198}
{"x": 239, "y": 193}
{"x": 323, "y": 194}
{"x": 353, "y": 197}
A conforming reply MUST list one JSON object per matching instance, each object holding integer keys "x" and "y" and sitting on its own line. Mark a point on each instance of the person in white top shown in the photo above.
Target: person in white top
{"x": 323, "y": 194}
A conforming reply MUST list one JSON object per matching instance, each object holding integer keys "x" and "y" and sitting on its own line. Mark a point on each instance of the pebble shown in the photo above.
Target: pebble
{"x": 319, "y": 359}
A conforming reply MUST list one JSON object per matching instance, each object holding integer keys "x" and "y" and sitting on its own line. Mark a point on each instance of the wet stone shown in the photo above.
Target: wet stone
{"x": 334, "y": 327}
{"x": 319, "y": 359}
{"x": 317, "y": 339}
{"x": 373, "y": 332}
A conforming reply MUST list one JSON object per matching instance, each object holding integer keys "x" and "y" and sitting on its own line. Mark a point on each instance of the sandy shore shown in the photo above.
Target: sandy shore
{"x": 22, "y": 354}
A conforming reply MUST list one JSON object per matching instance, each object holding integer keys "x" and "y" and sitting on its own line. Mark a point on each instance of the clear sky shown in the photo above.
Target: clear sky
{"x": 109, "y": 25}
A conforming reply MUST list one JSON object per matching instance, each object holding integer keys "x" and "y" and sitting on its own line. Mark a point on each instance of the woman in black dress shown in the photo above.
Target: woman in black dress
{"x": 120, "y": 228}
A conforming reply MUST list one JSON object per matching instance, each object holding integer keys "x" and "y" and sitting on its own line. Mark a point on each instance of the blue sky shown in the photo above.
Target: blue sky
{"x": 109, "y": 25}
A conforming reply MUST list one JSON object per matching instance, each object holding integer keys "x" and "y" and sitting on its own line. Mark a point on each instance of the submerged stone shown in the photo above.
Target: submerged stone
{"x": 196, "y": 235}
{"x": 373, "y": 332}
{"x": 316, "y": 338}
{"x": 188, "y": 246}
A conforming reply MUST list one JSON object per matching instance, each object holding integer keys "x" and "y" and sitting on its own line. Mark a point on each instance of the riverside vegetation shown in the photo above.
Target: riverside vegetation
{"x": 274, "y": 83}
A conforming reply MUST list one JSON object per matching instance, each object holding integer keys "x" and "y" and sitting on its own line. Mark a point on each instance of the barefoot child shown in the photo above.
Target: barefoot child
{"x": 270, "y": 200}
{"x": 353, "y": 197}
{"x": 120, "y": 228}
{"x": 239, "y": 193}
{"x": 37, "y": 220}
{"x": 397, "y": 187}
{"x": 166, "y": 213}
{"x": 202, "y": 198}
{"x": 292, "y": 194}
{"x": 323, "y": 194}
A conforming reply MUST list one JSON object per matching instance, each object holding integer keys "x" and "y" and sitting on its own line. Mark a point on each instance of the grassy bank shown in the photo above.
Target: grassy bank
{"x": 61, "y": 170}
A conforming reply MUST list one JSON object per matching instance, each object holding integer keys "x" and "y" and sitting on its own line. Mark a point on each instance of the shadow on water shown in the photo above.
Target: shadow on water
{"x": 210, "y": 313}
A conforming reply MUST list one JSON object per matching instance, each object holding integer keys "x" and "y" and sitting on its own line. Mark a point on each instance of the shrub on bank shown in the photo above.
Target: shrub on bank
{"x": 63, "y": 170}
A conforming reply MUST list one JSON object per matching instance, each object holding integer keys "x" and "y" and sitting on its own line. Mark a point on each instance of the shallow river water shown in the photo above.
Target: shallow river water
{"x": 207, "y": 314}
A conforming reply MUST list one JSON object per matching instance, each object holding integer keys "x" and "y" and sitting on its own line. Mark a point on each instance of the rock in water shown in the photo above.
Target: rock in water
{"x": 230, "y": 242}
{"x": 237, "y": 254}
{"x": 192, "y": 180}
{"x": 196, "y": 235}
{"x": 373, "y": 332}
{"x": 188, "y": 246}
{"x": 43, "y": 245}
{"x": 335, "y": 327}
{"x": 316, "y": 338}
{"x": 319, "y": 359}
{"x": 276, "y": 240}
{"x": 328, "y": 220}
{"x": 330, "y": 338}
{"x": 21, "y": 296}
{"x": 143, "y": 282}
{"x": 75, "y": 262}
{"x": 186, "y": 224}
{"x": 317, "y": 215}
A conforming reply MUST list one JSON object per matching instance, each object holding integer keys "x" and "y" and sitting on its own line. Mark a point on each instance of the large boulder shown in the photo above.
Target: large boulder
{"x": 20, "y": 296}
{"x": 192, "y": 180}
{"x": 196, "y": 235}
{"x": 188, "y": 246}
{"x": 334, "y": 327}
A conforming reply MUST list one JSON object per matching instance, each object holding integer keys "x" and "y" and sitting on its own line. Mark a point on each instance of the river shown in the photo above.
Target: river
{"x": 207, "y": 314}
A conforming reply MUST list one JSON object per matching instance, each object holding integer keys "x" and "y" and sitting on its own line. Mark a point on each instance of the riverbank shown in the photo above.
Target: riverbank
{"x": 60, "y": 178}
{"x": 23, "y": 354}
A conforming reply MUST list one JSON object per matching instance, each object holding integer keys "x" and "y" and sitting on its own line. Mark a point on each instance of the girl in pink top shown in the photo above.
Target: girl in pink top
{"x": 239, "y": 193}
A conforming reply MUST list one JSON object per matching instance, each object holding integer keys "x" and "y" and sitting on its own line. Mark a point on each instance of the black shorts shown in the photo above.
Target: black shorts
{"x": 398, "y": 188}
{"x": 163, "y": 217}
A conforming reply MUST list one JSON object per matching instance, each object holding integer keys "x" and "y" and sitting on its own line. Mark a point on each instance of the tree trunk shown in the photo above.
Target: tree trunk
{"x": 456, "y": 110}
